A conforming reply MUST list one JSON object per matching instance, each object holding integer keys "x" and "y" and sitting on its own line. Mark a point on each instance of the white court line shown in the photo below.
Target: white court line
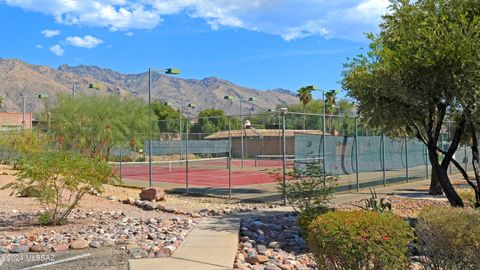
{"x": 59, "y": 261}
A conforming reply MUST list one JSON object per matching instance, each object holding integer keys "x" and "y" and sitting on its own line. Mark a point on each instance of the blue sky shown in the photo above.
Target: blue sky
{"x": 261, "y": 44}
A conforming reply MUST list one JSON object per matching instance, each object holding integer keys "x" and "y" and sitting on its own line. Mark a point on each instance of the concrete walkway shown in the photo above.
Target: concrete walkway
{"x": 213, "y": 244}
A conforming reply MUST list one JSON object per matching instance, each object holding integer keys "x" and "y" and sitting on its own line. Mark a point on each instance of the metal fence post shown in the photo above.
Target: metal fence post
{"x": 180, "y": 130}
{"x": 284, "y": 159}
{"x": 406, "y": 158}
{"x": 356, "y": 153}
{"x": 121, "y": 158}
{"x": 324, "y": 128}
{"x": 229, "y": 160}
{"x": 186, "y": 156}
{"x": 383, "y": 161}
{"x": 450, "y": 165}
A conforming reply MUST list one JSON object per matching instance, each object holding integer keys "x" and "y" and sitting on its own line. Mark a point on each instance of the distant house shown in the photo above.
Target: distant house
{"x": 13, "y": 121}
{"x": 261, "y": 141}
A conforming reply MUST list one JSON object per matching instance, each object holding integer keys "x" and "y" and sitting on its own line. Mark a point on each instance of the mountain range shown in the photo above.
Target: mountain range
{"x": 17, "y": 77}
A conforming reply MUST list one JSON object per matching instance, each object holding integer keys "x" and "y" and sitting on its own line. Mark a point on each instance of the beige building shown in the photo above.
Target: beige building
{"x": 261, "y": 141}
{"x": 13, "y": 121}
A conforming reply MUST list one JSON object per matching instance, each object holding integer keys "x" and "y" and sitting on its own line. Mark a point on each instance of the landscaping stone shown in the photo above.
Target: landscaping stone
{"x": 150, "y": 206}
{"x": 60, "y": 247}
{"x": 95, "y": 244}
{"x": 79, "y": 244}
{"x": 152, "y": 194}
{"x": 37, "y": 248}
{"x": 261, "y": 240}
{"x": 19, "y": 249}
{"x": 137, "y": 253}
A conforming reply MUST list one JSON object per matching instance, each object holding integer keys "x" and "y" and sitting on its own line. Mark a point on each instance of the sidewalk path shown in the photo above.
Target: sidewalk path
{"x": 213, "y": 244}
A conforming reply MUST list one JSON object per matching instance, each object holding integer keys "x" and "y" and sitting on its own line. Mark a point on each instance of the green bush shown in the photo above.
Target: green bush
{"x": 308, "y": 193}
{"x": 306, "y": 189}
{"x": 360, "y": 240}
{"x": 449, "y": 237}
{"x": 468, "y": 196}
{"x": 62, "y": 179}
{"x": 306, "y": 217}
{"x": 16, "y": 145}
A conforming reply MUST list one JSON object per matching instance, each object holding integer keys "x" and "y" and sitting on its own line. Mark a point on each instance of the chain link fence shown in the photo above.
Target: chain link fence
{"x": 245, "y": 156}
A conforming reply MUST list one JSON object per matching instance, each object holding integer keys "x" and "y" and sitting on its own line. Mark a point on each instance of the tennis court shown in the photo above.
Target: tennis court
{"x": 213, "y": 172}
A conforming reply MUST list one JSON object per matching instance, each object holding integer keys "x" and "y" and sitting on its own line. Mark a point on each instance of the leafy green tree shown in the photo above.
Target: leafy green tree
{"x": 168, "y": 120}
{"x": 214, "y": 120}
{"x": 94, "y": 125}
{"x": 422, "y": 66}
{"x": 266, "y": 120}
{"x": 304, "y": 94}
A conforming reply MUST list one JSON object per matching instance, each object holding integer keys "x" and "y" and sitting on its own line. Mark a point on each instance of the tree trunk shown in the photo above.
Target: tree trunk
{"x": 442, "y": 176}
{"x": 304, "y": 116}
{"x": 475, "y": 160}
{"x": 435, "y": 187}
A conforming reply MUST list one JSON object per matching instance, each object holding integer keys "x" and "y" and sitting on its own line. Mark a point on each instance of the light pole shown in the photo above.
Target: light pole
{"x": 241, "y": 100}
{"x": 180, "y": 124}
{"x": 76, "y": 86}
{"x": 24, "y": 97}
{"x": 172, "y": 71}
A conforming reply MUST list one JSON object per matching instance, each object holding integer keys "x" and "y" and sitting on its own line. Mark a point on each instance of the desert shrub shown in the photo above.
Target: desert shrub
{"x": 62, "y": 179}
{"x": 360, "y": 240}
{"x": 30, "y": 191}
{"x": 307, "y": 192}
{"x": 376, "y": 204}
{"x": 306, "y": 217}
{"x": 449, "y": 237}
{"x": 16, "y": 145}
{"x": 306, "y": 189}
{"x": 468, "y": 196}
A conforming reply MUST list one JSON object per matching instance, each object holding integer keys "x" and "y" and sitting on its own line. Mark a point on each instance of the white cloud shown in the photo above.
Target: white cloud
{"x": 39, "y": 46}
{"x": 50, "y": 33}
{"x": 57, "y": 50}
{"x": 85, "y": 42}
{"x": 290, "y": 19}
{"x": 129, "y": 34}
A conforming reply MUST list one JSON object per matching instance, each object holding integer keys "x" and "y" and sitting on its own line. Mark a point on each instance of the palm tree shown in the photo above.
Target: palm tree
{"x": 330, "y": 105}
{"x": 304, "y": 94}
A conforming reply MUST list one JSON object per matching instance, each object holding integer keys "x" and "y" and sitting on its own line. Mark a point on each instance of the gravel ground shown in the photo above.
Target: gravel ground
{"x": 274, "y": 242}
{"x": 104, "y": 226}
{"x": 404, "y": 206}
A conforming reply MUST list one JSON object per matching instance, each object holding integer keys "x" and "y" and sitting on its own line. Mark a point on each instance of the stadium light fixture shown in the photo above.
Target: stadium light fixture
{"x": 95, "y": 86}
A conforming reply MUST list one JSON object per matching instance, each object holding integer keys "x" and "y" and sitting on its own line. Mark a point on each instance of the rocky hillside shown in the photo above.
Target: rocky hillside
{"x": 18, "y": 77}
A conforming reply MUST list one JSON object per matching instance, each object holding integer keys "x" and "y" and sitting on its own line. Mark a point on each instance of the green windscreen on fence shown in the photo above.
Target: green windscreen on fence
{"x": 340, "y": 152}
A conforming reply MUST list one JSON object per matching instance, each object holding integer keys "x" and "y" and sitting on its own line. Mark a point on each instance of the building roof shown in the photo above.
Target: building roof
{"x": 252, "y": 132}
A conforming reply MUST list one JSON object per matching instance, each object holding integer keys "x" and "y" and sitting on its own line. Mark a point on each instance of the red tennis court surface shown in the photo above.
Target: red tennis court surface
{"x": 212, "y": 173}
